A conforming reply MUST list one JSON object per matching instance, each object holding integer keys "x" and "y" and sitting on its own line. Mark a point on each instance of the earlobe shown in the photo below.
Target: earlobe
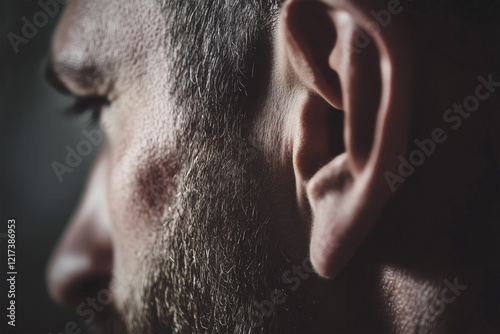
{"x": 371, "y": 85}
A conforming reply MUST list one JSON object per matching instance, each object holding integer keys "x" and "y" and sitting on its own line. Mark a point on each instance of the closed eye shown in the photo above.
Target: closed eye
{"x": 82, "y": 104}
{"x": 92, "y": 105}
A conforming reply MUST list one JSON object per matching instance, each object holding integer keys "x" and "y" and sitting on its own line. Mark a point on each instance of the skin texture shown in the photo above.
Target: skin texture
{"x": 130, "y": 74}
{"x": 202, "y": 235}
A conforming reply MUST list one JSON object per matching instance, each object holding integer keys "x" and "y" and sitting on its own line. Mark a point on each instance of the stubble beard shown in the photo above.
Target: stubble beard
{"x": 215, "y": 255}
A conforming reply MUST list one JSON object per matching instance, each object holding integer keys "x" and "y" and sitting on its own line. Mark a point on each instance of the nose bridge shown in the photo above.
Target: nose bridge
{"x": 82, "y": 263}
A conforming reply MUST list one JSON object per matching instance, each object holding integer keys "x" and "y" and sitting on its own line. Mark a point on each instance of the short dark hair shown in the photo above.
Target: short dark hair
{"x": 216, "y": 49}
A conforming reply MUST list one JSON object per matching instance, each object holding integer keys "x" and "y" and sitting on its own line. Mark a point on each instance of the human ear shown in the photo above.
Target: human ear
{"x": 355, "y": 56}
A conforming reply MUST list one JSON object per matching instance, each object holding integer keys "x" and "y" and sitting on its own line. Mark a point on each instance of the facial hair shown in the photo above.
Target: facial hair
{"x": 214, "y": 256}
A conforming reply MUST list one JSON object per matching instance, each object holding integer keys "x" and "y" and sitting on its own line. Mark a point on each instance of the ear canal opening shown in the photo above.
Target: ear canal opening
{"x": 322, "y": 137}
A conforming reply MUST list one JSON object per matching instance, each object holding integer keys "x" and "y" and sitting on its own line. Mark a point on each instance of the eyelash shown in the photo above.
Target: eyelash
{"x": 92, "y": 105}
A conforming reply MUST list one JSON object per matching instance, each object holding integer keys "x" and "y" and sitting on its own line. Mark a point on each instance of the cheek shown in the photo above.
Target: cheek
{"x": 142, "y": 185}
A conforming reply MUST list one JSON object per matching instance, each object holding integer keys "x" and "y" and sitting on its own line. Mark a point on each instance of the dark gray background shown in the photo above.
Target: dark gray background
{"x": 34, "y": 132}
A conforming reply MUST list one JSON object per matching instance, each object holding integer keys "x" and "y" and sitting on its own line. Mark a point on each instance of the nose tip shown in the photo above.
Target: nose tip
{"x": 73, "y": 276}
